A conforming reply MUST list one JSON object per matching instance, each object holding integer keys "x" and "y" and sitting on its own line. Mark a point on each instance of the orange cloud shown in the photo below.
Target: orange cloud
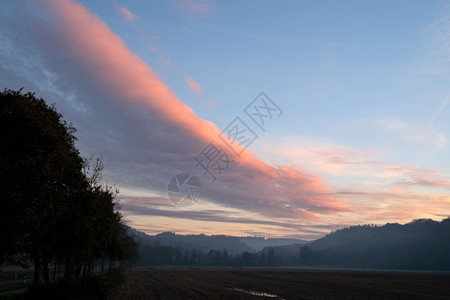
{"x": 126, "y": 14}
{"x": 194, "y": 86}
{"x": 114, "y": 70}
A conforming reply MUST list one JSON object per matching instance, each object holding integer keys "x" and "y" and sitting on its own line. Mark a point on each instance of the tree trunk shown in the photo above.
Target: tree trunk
{"x": 85, "y": 269}
{"x": 67, "y": 268}
{"x": 45, "y": 270}
{"x": 37, "y": 268}
{"x": 103, "y": 263}
{"x": 77, "y": 270}
{"x": 54, "y": 271}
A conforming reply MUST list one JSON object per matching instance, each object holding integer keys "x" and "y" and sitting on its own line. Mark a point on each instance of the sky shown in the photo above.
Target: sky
{"x": 297, "y": 117}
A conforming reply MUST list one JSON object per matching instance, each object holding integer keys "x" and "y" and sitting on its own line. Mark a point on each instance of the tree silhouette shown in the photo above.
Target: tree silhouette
{"x": 51, "y": 210}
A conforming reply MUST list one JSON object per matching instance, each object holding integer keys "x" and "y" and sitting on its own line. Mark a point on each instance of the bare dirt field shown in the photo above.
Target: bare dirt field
{"x": 235, "y": 283}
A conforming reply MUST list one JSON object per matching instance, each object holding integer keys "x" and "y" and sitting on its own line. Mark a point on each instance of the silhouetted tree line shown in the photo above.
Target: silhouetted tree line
{"x": 159, "y": 255}
{"x": 54, "y": 210}
{"x": 420, "y": 245}
{"x": 203, "y": 250}
{"x": 202, "y": 242}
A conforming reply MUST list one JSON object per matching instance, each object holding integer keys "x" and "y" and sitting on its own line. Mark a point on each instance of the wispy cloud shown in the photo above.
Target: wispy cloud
{"x": 165, "y": 62}
{"x": 194, "y": 86}
{"x": 319, "y": 155}
{"x": 219, "y": 218}
{"x": 426, "y": 136}
{"x": 361, "y": 174}
{"x": 441, "y": 138}
{"x": 431, "y": 178}
{"x": 194, "y": 8}
{"x": 146, "y": 133}
{"x": 391, "y": 124}
{"x": 126, "y": 14}
{"x": 436, "y": 48}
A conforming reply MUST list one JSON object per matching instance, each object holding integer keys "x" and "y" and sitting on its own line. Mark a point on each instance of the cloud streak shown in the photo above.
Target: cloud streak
{"x": 146, "y": 133}
{"x": 194, "y": 8}
{"x": 126, "y": 14}
{"x": 194, "y": 86}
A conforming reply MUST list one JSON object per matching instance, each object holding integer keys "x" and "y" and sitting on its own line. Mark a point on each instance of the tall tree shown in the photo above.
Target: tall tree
{"x": 51, "y": 208}
{"x": 39, "y": 166}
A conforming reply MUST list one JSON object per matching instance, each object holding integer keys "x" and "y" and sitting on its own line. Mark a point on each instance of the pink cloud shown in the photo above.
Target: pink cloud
{"x": 126, "y": 14}
{"x": 176, "y": 132}
{"x": 147, "y": 135}
{"x": 194, "y": 86}
{"x": 430, "y": 178}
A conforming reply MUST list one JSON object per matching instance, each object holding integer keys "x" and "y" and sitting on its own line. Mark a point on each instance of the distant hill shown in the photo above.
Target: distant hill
{"x": 422, "y": 244}
{"x": 258, "y": 243}
{"x": 205, "y": 243}
{"x": 419, "y": 245}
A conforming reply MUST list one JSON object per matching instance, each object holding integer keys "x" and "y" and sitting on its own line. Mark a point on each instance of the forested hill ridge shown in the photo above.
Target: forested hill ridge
{"x": 259, "y": 243}
{"x": 422, "y": 244}
{"x": 202, "y": 242}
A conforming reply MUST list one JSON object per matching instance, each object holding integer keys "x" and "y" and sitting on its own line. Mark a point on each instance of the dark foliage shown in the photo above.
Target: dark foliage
{"x": 419, "y": 245}
{"x": 53, "y": 207}
{"x": 423, "y": 244}
{"x": 85, "y": 287}
{"x": 202, "y": 242}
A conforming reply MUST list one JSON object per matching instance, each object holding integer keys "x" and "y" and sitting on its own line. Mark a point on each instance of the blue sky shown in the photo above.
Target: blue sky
{"x": 363, "y": 86}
